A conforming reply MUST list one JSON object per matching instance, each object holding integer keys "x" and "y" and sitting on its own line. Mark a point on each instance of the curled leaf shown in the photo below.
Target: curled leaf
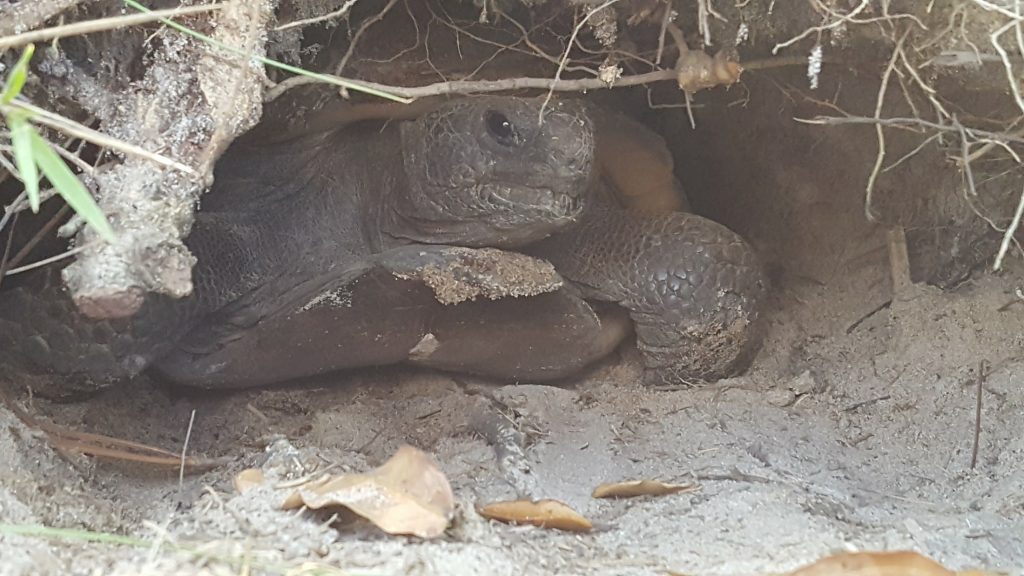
{"x": 408, "y": 494}
{"x": 899, "y": 563}
{"x": 634, "y": 488}
{"x": 248, "y": 479}
{"x": 543, "y": 513}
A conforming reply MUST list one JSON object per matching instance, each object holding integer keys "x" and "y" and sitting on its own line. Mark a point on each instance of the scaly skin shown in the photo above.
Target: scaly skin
{"x": 693, "y": 288}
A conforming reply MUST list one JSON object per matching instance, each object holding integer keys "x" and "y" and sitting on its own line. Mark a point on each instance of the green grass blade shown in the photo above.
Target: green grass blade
{"x": 19, "y": 74}
{"x": 24, "y": 155}
{"x": 70, "y": 187}
{"x": 72, "y": 534}
{"x": 87, "y": 536}
{"x": 347, "y": 84}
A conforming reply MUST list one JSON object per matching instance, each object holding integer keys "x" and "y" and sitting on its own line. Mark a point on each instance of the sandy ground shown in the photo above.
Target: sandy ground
{"x": 837, "y": 439}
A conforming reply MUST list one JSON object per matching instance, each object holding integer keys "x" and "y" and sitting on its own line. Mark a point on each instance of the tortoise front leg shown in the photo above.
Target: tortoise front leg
{"x": 692, "y": 287}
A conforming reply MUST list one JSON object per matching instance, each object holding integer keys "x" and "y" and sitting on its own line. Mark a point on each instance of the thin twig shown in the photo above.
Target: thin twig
{"x": 565, "y": 55}
{"x": 100, "y": 25}
{"x": 869, "y": 190}
{"x": 359, "y": 33}
{"x": 82, "y": 165}
{"x": 901, "y": 122}
{"x": 886, "y": 16}
{"x": 72, "y": 128}
{"x": 9, "y": 169}
{"x": 989, "y": 145}
{"x": 818, "y": 29}
{"x": 47, "y": 261}
{"x": 913, "y": 152}
{"x": 965, "y": 163}
{"x": 4, "y": 263}
{"x": 977, "y": 415}
{"x": 1011, "y": 76}
{"x": 21, "y": 203}
{"x": 535, "y": 50}
{"x": 340, "y": 12}
{"x": 940, "y": 110}
{"x": 704, "y": 9}
{"x": 856, "y": 323}
{"x": 184, "y": 448}
{"x": 486, "y": 86}
{"x": 1004, "y": 246}
{"x": 447, "y": 87}
{"x": 665, "y": 21}
{"x": 10, "y": 211}
{"x": 864, "y": 403}
{"x": 996, "y": 8}
{"x": 37, "y": 237}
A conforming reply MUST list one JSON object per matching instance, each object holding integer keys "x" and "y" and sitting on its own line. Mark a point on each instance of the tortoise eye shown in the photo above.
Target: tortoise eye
{"x": 500, "y": 128}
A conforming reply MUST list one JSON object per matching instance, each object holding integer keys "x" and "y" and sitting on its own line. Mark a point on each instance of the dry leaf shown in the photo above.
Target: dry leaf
{"x": 901, "y": 563}
{"x": 641, "y": 488}
{"x": 543, "y": 513}
{"x": 248, "y": 479}
{"x": 696, "y": 71}
{"x": 407, "y": 495}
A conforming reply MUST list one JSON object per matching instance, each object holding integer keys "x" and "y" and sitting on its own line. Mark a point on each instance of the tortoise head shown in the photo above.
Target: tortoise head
{"x": 485, "y": 172}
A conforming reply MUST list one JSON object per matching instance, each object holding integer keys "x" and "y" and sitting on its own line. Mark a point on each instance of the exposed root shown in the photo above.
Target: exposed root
{"x": 917, "y": 52}
{"x": 880, "y": 158}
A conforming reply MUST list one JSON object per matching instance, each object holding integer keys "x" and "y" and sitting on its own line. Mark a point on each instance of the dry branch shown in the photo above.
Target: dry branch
{"x": 486, "y": 86}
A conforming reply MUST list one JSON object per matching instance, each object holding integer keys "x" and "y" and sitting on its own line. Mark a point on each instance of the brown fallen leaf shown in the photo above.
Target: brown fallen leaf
{"x": 248, "y": 479}
{"x": 697, "y": 70}
{"x": 633, "y": 488}
{"x": 408, "y": 494}
{"x": 543, "y": 513}
{"x": 900, "y": 563}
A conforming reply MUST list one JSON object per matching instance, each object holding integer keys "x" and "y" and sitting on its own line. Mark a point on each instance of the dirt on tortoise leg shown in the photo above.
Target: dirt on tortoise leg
{"x": 708, "y": 352}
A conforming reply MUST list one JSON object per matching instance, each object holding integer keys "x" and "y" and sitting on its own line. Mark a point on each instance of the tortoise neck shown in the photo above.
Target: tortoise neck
{"x": 387, "y": 186}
